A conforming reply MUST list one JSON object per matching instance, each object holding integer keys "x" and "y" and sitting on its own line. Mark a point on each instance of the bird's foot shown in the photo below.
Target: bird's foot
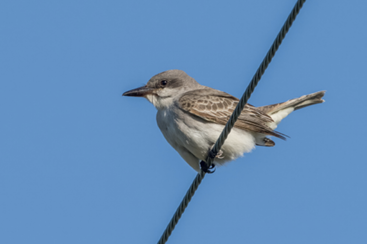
{"x": 219, "y": 155}
{"x": 206, "y": 169}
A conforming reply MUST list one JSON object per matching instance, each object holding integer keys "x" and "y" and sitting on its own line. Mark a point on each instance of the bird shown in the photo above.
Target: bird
{"x": 192, "y": 116}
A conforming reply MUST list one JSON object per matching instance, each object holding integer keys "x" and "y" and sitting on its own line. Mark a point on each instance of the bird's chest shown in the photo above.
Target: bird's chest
{"x": 168, "y": 125}
{"x": 185, "y": 133}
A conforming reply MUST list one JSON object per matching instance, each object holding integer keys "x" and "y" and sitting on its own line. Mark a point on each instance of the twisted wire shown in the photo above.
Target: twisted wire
{"x": 254, "y": 82}
{"x": 180, "y": 210}
{"x": 228, "y": 127}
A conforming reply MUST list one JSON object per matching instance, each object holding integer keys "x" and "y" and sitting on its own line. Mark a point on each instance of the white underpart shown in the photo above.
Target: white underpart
{"x": 278, "y": 116}
{"x": 192, "y": 137}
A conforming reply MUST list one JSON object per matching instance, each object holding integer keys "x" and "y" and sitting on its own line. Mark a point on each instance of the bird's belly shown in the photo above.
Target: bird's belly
{"x": 184, "y": 132}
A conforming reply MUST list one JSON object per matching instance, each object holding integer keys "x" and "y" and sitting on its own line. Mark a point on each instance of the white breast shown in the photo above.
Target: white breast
{"x": 186, "y": 132}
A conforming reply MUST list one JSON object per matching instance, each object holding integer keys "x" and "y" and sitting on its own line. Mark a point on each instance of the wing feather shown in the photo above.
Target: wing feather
{"x": 217, "y": 107}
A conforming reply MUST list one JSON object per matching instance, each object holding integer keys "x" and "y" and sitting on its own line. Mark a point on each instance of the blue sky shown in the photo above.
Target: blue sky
{"x": 79, "y": 163}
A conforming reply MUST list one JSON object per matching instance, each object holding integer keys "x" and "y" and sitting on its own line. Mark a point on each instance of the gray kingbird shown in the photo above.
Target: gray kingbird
{"x": 191, "y": 117}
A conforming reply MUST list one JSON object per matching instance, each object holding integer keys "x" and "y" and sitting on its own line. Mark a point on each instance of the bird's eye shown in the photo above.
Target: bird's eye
{"x": 163, "y": 82}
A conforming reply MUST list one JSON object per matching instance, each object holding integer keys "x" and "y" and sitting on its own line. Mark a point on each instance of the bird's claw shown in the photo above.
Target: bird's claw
{"x": 219, "y": 155}
{"x": 207, "y": 169}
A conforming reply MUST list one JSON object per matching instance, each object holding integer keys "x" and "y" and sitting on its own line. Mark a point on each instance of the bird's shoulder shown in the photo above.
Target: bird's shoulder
{"x": 209, "y": 104}
{"x": 217, "y": 106}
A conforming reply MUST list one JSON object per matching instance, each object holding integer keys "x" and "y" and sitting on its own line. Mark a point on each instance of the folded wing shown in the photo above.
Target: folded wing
{"x": 216, "y": 106}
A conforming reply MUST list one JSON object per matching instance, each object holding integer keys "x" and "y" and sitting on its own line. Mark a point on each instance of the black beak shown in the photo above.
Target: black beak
{"x": 139, "y": 92}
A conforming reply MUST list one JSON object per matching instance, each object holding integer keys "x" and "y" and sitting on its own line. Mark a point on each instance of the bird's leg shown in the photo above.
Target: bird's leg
{"x": 219, "y": 155}
{"x": 207, "y": 169}
{"x": 203, "y": 164}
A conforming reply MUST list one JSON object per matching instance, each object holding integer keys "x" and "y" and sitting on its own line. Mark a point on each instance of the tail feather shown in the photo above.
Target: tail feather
{"x": 295, "y": 103}
{"x": 279, "y": 111}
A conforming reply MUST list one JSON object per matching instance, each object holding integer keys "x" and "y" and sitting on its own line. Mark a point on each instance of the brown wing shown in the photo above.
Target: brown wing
{"x": 217, "y": 107}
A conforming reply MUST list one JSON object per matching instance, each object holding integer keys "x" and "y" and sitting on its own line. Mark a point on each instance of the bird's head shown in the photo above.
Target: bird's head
{"x": 162, "y": 89}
